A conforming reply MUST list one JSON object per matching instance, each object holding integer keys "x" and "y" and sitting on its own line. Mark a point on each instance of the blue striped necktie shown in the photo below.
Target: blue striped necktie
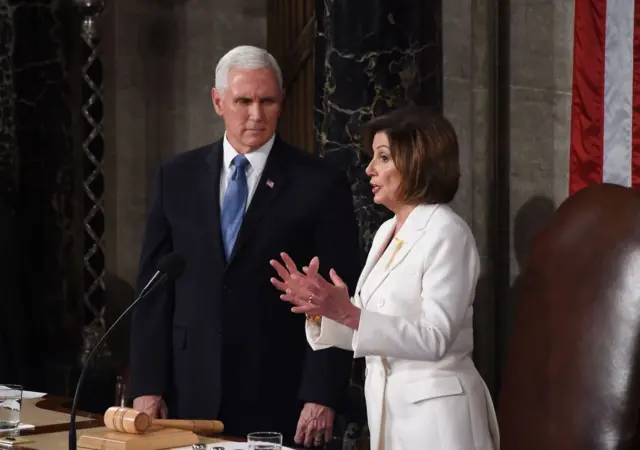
{"x": 234, "y": 203}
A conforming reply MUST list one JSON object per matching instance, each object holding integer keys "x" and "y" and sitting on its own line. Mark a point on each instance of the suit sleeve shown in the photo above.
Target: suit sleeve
{"x": 327, "y": 372}
{"x": 151, "y": 349}
{"x": 329, "y": 333}
{"x": 448, "y": 287}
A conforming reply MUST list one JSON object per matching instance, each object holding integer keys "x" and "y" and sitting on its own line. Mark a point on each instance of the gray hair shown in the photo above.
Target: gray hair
{"x": 245, "y": 57}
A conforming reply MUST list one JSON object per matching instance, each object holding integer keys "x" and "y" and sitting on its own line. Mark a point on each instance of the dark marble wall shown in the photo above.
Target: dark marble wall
{"x": 37, "y": 168}
{"x": 369, "y": 60}
{"x": 11, "y": 336}
{"x": 7, "y": 105}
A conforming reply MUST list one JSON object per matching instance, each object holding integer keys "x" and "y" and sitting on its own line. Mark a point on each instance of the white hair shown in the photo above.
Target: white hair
{"x": 245, "y": 57}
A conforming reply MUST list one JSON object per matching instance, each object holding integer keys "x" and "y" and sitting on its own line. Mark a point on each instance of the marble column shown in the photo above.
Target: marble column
{"x": 12, "y": 349}
{"x": 7, "y": 103}
{"x": 39, "y": 158}
{"x": 369, "y": 60}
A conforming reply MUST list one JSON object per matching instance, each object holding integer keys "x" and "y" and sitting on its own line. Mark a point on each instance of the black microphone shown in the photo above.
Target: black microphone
{"x": 169, "y": 267}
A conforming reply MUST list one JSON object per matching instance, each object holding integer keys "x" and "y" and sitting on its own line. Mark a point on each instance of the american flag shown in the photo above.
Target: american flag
{"x": 605, "y": 110}
{"x": 269, "y": 183}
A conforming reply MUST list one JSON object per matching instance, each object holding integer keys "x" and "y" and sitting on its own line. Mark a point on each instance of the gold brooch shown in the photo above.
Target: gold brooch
{"x": 399, "y": 244}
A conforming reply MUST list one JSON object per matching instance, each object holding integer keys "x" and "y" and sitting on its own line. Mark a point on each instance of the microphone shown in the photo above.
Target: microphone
{"x": 170, "y": 267}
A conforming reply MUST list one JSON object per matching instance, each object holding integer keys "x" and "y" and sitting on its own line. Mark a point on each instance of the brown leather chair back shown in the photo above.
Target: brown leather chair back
{"x": 572, "y": 378}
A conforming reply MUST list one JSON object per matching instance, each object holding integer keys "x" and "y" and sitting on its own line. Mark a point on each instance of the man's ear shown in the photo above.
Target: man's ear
{"x": 216, "y": 99}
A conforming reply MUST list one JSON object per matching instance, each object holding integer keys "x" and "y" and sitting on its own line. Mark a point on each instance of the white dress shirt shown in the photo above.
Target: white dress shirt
{"x": 257, "y": 160}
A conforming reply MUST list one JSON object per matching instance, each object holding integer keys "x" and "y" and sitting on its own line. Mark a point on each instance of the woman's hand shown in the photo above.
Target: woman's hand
{"x": 311, "y": 294}
{"x": 284, "y": 272}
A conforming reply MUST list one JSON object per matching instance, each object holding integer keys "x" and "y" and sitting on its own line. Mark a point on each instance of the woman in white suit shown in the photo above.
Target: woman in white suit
{"x": 412, "y": 314}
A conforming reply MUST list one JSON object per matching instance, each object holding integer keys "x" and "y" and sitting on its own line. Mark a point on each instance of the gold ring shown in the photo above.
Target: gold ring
{"x": 312, "y": 319}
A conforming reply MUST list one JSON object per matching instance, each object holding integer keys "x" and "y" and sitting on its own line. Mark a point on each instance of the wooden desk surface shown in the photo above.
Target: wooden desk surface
{"x": 51, "y": 412}
{"x": 51, "y": 415}
{"x": 60, "y": 441}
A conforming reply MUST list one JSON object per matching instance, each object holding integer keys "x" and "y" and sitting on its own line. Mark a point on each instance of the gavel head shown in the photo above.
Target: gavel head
{"x": 126, "y": 420}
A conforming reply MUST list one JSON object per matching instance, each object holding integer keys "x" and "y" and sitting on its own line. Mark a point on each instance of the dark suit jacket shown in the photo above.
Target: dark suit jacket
{"x": 219, "y": 342}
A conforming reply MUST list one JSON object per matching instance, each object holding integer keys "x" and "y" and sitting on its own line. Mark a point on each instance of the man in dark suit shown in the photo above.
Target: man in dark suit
{"x": 219, "y": 342}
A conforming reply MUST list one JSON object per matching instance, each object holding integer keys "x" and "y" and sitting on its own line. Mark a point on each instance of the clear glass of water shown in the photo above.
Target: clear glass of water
{"x": 10, "y": 403}
{"x": 264, "y": 440}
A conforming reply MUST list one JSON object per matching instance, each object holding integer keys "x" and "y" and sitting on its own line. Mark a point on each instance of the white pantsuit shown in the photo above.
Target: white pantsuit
{"x": 416, "y": 332}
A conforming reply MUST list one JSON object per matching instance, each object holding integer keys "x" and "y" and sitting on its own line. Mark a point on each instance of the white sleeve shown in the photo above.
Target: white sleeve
{"x": 329, "y": 333}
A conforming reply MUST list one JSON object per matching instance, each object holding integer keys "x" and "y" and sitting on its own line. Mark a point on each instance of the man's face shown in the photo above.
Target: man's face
{"x": 250, "y": 107}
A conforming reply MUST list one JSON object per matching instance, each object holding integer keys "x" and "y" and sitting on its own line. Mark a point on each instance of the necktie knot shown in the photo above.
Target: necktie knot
{"x": 240, "y": 162}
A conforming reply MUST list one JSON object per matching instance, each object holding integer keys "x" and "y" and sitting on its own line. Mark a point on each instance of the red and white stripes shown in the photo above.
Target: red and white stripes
{"x": 605, "y": 112}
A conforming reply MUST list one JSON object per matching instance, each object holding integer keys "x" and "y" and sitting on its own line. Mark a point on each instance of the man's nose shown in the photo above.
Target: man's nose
{"x": 255, "y": 111}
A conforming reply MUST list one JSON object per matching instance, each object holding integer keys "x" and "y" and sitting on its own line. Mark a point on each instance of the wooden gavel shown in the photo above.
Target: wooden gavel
{"x": 128, "y": 420}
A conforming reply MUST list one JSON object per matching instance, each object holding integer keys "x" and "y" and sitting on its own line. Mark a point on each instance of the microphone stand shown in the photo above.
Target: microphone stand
{"x": 156, "y": 280}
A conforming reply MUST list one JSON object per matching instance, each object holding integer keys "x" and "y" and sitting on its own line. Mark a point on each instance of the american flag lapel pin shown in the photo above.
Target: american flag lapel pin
{"x": 270, "y": 183}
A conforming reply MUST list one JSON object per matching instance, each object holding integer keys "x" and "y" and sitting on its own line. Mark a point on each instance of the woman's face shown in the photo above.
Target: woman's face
{"x": 385, "y": 177}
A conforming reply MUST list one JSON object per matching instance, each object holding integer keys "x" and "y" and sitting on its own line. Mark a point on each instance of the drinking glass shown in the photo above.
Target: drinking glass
{"x": 264, "y": 440}
{"x": 10, "y": 403}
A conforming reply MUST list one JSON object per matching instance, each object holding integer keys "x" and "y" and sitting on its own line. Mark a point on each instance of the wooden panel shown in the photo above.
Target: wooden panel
{"x": 154, "y": 439}
{"x": 290, "y": 33}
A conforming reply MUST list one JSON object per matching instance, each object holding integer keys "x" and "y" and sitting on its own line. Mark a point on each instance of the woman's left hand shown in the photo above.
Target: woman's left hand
{"x": 311, "y": 294}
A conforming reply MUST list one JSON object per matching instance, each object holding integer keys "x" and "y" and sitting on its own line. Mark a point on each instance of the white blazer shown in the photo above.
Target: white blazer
{"x": 416, "y": 332}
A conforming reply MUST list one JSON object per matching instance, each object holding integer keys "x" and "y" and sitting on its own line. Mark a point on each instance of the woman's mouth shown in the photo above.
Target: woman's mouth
{"x": 375, "y": 188}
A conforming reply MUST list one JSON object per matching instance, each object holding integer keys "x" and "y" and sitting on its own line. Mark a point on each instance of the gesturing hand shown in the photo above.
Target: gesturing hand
{"x": 311, "y": 294}
{"x": 284, "y": 272}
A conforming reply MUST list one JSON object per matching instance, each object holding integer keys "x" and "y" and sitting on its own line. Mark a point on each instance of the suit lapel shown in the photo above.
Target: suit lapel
{"x": 378, "y": 248}
{"x": 269, "y": 186}
{"x": 401, "y": 245}
{"x": 211, "y": 200}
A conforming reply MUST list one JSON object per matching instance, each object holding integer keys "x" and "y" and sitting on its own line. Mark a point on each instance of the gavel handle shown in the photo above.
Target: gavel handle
{"x": 197, "y": 426}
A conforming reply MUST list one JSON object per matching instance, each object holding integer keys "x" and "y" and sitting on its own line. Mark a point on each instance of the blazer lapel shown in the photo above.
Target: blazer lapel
{"x": 378, "y": 247}
{"x": 269, "y": 186}
{"x": 404, "y": 241}
{"x": 211, "y": 200}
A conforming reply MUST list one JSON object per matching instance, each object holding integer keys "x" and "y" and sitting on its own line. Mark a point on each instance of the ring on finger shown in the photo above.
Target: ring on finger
{"x": 310, "y": 298}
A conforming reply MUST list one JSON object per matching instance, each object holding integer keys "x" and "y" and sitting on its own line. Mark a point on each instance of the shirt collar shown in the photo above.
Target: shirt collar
{"x": 257, "y": 158}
